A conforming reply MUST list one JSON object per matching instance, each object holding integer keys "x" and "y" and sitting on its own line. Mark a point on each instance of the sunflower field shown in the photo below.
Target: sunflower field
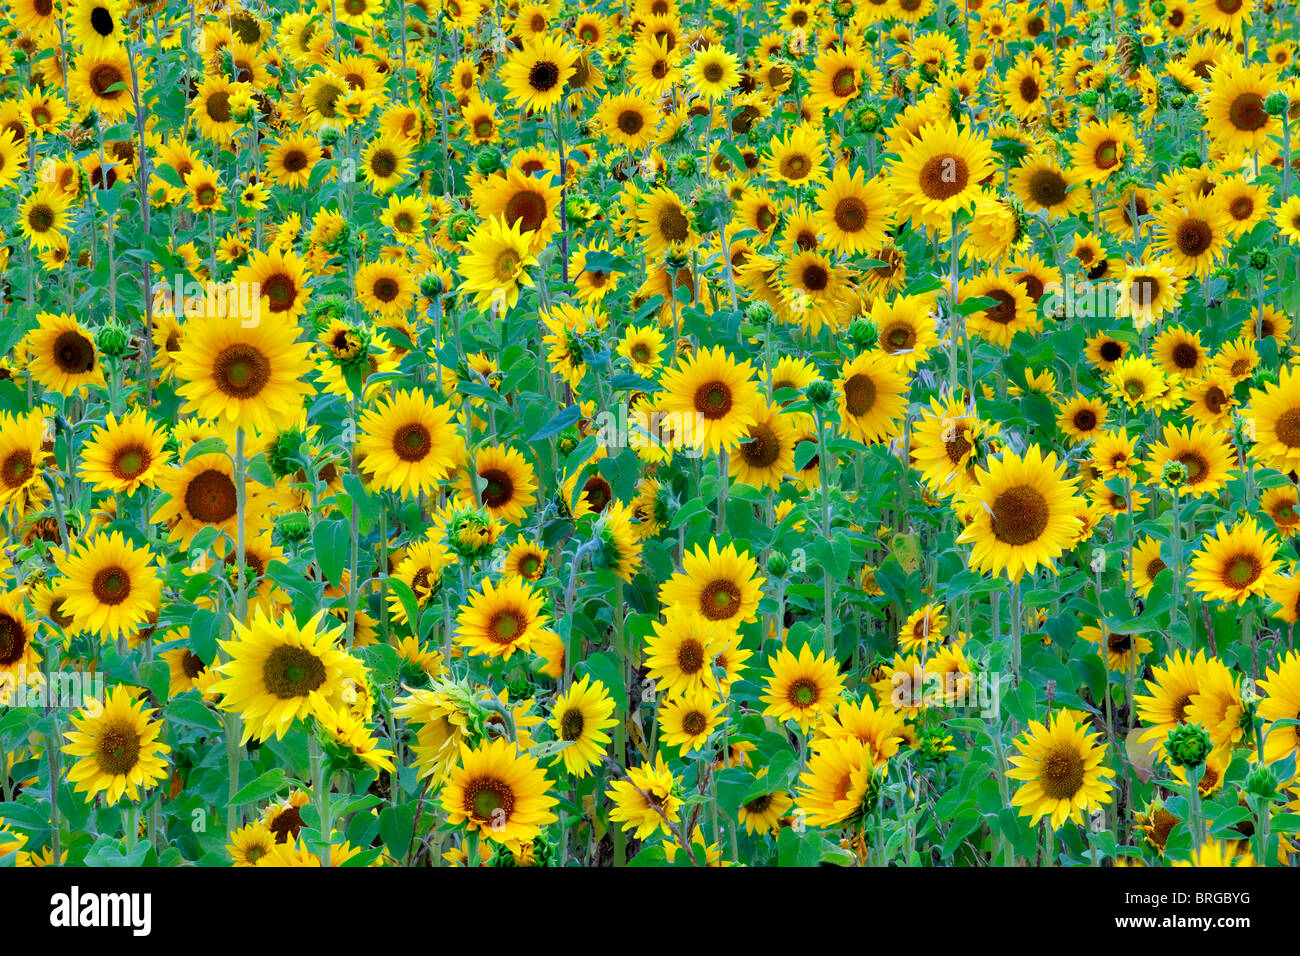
{"x": 521, "y": 433}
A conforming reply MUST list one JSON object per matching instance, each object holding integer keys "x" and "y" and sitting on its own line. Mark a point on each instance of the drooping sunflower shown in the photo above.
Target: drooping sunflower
{"x": 715, "y": 396}
{"x": 251, "y": 375}
{"x": 499, "y": 620}
{"x": 535, "y": 75}
{"x": 938, "y": 173}
{"x": 408, "y": 442}
{"x": 802, "y": 688}
{"x": 278, "y": 672}
{"x": 1022, "y": 513}
{"x": 117, "y": 749}
{"x": 1235, "y": 563}
{"x": 498, "y": 791}
{"x": 1061, "y": 766}
{"x": 109, "y": 586}
{"x": 871, "y": 394}
{"x": 1203, "y": 453}
{"x": 125, "y": 454}
{"x": 62, "y": 354}
{"x": 580, "y": 716}
{"x": 721, "y": 585}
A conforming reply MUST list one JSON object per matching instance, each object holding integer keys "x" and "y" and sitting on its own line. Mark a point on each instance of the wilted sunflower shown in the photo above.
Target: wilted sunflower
{"x": 62, "y": 355}
{"x": 498, "y": 791}
{"x": 408, "y": 442}
{"x": 1022, "y": 513}
{"x": 1061, "y": 766}
{"x": 1235, "y": 563}
{"x": 721, "y": 585}
{"x": 580, "y": 716}
{"x": 499, "y": 620}
{"x": 117, "y": 749}
{"x": 109, "y": 586}
{"x": 279, "y": 672}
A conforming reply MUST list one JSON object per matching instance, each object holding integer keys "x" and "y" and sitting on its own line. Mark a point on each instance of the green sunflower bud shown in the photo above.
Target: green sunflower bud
{"x": 820, "y": 392}
{"x": 1188, "y": 745}
{"x": 294, "y": 526}
{"x": 1276, "y": 103}
{"x": 487, "y": 160}
{"x": 112, "y": 340}
{"x": 778, "y": 564}
{"x": 863, "y": 334}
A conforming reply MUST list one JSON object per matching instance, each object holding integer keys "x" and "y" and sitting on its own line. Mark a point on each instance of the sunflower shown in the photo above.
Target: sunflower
{"x": 681, "y": 650}
{"x": 871, "y": 395}
{"x": 23, "y": 459}
{"x": 98, "y": 25}
{"x": 715, "y": 396}
{"x": 251, "y": 375}
{"x": 854, "y": 214}
{"x": 1104, "y": 350}
{"x": 1180, "y": 352}
{"x": 408, "y": 442}
{"x": 1022, "y": 512}
{"x": 654, "y": 66}
{"x": 713, "y": 72}
{"x": 251, "y": 844}
{"x": 840, "y": 782}
{"x": 213, "y": 113}
{"x": 938, "y": 173}
{"x": 767, "y": 454}
{"x": 497, "y": 621}
{"x": 802, "y": 688}
{"x": 1061, "y": 766}
{"x": 535, "y": 75}
{"x": 125, "y": 454}
{"x": 1114, "y": 455}
{"x": 1014, "y": 310}
{"x": 62, "y": 355}
{"x": 722, "y": 586}
{"x": 665, "y": 222}
{"x": 495, "y": 263}
{"x": 385, "y": 288}
{"x": 763, "y": 813}
{"x": 838, "y": 77}
{"x": 184, "y": 669}
{"x": 798, "y": 159}
{"x": 508, "y": 485}
{"x": 117, "y": 749}
{"x": 580, "y": 716}
{"x": 647, "y": 801}
{"x": 944, "y": 444}
{"x": 201, "y": 494}
{"x": 19, "y": 658}
{"x": 1235, "y": 563}
{"x": 1082, "y": 417}
{"x": 688, "y": 720}
{"x": 1287, "y": 219}
{"x": 279, "y": 672}
{"x": 1106, "y": 149}
{"x": 524, "y": 200}
{"x": 1203, "y": 453}
{"x": 923, "y": 627}
{"x": 643, "y": 347}
{"x": 1120, "y": 649}
{"x": 1137, "y": 382}
{"x": 43, "y": 216}
{"x": 101, "y": 81}
{"x": 1194, "y": 233}
{"x": 109, "y": 587}
{"x": 1274, "y": 412}
{"x": 1172, "y": 685}
{"x": 1281, "y": 701}
{"x": 290, "y": 161}
{"x": 629, "y": 120}
{"x": 280, "y": 278}
{"x": 1282, "y": 504}
{"x": 1042, "y": 185}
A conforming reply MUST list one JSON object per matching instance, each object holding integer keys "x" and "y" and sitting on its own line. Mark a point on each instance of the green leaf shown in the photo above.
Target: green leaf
{"x": 263, "y": 788}
{"x": 569, "y": 416}
{"x": 605, "y": 668}
{"x": 396, "y": 829}
{"x": 332, "y": 540}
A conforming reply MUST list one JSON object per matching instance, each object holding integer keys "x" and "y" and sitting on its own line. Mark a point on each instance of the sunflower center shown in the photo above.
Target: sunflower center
{"x": 488, "y": 799}
{"x": 103, "y": 78}
{"x": 280, "y": 290}
{"x": 13, "y": 640}
{"x": 111, "y": 585}
{"x": 690, "y": 656}
{"x": 1106, "y": 155}
{"x": 1062, "y": 772}
{"x": 944, "y": 176}
{"x": 796, "y": 166}
{"x": 1047, "y": 188}
{"x": 1241, "y": 208}
{"x": 673, "y": 225}
{"x": 1085, "y": 419}
{"x": 286, "y": 825}
{"x": 73, "y": 353}
{"x": 210, "y": 497}
{"x": 241, "y": 371}
{"x": 713, "y": 400}
{"x": 803, "y": 693}
{"x": 1020, "y": 515}
{"x": 117, "y": 749}
{"x": 528, "y": 209}
{"x": 630, "y": 122}
{"x": 499, "y": 488}
{"x": 694, "y": 723}
{"x": 386, "y": 289}
{"x": 101, "y": 21}
{"x": 218, "y": 107}
{"x": 759, "y": 804}
{"x": 1247, "y": 112}
{"x": 898, "y": 338}
{"x": 720, "y": 600}
{"x": 763, "y": 447}
{"x": 815, "y": 277}
{"x": 131, "y": 461}
{"x": 290, "y": 672}
{"x": 1242, "y": 570}
{"x": 1154, "y": 567}
{"x": 1004, "y": 313}
{"x": 1287, "y": 428}
{"x": 383, "y": 163}
{"x": 859, "y": 394}
{"x": 845, "y": 82}
{"x": 713, "y": 72}
{"x": 1029, "y": 89}
{"x": 18, "y": 468}
{"x": 1195, "y": 464}
{"x": 544, "y": 76}
{"x": 40, "y": 218}
{"x": 43, "y": 7}
{"x": 599, "y": 493}
{"x": 192, "y": 665}
{"x": 412, "y": 442}
{"x": 505, "y": 627}
{"x": 1193, "y": 237}
{"x": 957, "y": 447}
